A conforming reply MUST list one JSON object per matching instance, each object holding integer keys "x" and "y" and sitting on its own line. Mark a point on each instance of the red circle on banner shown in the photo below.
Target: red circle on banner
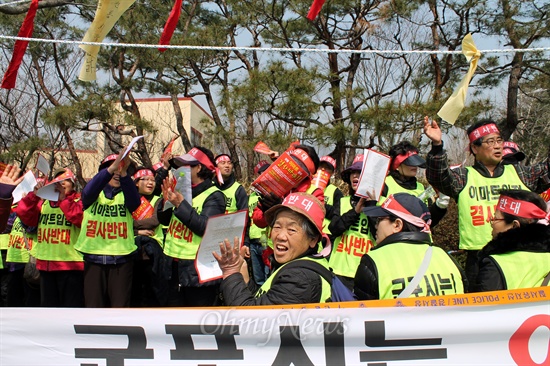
{"x": 519, "y": 341}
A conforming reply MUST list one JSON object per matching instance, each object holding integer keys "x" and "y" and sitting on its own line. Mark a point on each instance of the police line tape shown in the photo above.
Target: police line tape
{"x": 504, "y": 327}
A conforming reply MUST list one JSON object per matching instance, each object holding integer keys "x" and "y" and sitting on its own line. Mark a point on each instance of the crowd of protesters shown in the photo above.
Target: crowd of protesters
{"x": 95, "y": 248}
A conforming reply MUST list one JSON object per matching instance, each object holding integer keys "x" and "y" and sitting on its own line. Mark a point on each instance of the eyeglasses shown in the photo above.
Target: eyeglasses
{"x": 493, "y": 141}
{"x": 494, "y": 219}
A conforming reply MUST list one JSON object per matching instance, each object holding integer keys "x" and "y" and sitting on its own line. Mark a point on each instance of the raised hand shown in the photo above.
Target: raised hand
{"x": 432, "y": 130}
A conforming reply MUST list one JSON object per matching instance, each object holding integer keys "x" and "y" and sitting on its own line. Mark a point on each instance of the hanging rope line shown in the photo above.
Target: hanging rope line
{"x": 271, "y": 49}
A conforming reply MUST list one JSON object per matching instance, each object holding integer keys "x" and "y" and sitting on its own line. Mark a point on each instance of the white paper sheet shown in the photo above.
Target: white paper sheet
{"x": 26, "y": 186}
{"x": 373, "y": 175}
{"x": 48, "y": 192}
{"x": 132, "y": 143}
{"x": 42, "y": 165}
{"x": 218, "y": 228}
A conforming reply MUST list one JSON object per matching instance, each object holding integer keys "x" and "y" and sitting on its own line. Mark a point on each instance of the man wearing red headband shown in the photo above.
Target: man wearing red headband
{"x": 186, "y": 225}
{"x": 235, "y": 194}
{"x": 404, "y": 262}
{"x": 475, "y": 188}
{"x": 519, "y": 254}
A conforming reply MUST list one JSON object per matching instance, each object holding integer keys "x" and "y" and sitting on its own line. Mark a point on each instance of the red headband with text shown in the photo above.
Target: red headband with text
{"x": 483, "y": 131}
{"x": 143, "y": 173}
{"x": 519, "y": 208}
{"x": 223, "y": 158}
{"x": 391, "y": 205}
{"x": 401, "y": 158}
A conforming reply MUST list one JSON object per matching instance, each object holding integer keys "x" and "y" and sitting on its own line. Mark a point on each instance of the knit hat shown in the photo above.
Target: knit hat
{"x": 356, "y": 165}
{"x": 304, "y": 204}
{"x": 260, "y": 167}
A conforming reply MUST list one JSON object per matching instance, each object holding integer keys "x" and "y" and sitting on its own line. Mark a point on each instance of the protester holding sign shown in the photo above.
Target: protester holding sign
{"x": 404, "y": 263}
{"x": 475, "y": 188}
{"x": 106, "y": 238}
{"x": 350, "y": 229}
{"x": 61, "y": 266}
{"x": 148, "y": 285}
{"x": 333, "y": 194}
{"x": 519, "y": 254}
{"x": 296, "y": 229}
{"x": 9, "y": 179}
{"x": 297, "y": 181}
{"x": 187, "y": 223}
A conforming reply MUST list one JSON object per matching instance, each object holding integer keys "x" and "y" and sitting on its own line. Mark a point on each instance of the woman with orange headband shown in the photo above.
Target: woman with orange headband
{"x": 519, "y": 254}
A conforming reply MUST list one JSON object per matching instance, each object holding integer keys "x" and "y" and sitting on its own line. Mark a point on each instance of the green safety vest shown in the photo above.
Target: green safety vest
{"x": 394, "y": 188}
{"x": 254, "y": 231}
{"x": 516, "y": 272}
{"x": 158, "y": 234}
{"x": 56, "y": 236}
{"x": 348, "y": 249}
{"x": 180, "y": 241}
{"x": 107, "y": 228}
{"x": 17, "y": 249}
{"x": 397, "y": 263}
{"x": 477, "y": 204}
{"x": 4, "y": 240}
{"x": 230, "y": 199}
{"x": 325, "y": 286}
{"x": 329, "y": 200}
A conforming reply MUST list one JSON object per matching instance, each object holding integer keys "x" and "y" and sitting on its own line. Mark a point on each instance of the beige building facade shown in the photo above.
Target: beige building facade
{"x": 160, "y": 113}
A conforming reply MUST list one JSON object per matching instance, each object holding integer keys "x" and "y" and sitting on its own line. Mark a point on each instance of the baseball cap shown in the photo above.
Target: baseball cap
{"x": 405, "y": 206}
{"x": 304, "y": 204}
{"x": 261, "y": 167}
{"x": 511, "y": 150}
{"x": 356, "y": 165}
{"x": 329, "y": 160}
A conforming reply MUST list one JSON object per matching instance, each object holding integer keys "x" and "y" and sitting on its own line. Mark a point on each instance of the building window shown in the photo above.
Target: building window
{"x": 196, "y": 137}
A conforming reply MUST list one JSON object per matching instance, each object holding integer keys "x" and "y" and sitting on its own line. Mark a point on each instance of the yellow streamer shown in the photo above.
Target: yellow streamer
{"x": 454, "y": 105}
{"x": 108, "y": 12}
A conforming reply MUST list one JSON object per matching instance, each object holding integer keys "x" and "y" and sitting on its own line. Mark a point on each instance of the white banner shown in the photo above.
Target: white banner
{"x": 505, "y": 334}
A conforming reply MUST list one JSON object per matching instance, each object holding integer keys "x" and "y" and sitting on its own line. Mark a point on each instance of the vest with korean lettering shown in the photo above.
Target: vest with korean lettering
{"x": 397, "y": 263}
{"x": 17, "y": 248}
{"x": 326, "y": 291}
{"x": 477, "y": 202}
{"x": 180, "y": 241}
{"x": 516, "y": 275}
{"x": 56, "y": 236}
{"x": 348, "y": 249}
{"x": 230, "y": 199}
{"x": 394, "y": 188}
{"x": 107, "y": 228}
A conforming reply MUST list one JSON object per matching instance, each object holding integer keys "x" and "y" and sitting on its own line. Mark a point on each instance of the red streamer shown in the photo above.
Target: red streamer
{"x": 315, "y": 9}
{"x": 20, "y": 47}
{"x": 170, "y": 25}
